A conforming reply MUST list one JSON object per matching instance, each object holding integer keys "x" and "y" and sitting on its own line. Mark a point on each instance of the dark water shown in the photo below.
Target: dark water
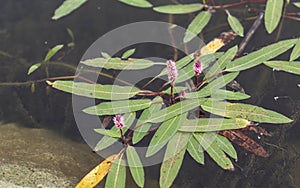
{"x": 27, "y": 32}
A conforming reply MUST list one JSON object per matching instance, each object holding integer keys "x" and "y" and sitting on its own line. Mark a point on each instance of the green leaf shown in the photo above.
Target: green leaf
{"x": 137, "y": 3}
{"x": 273, "y": 14}
{"x": 164, "y": 133}
{"x": 245, "y": 111}
{"x": 222, "y": 62}
{"x": 135, "y": 166}
{"x": 214, "y": 86}
{"x": 67, "y": 7}
{"x": 226, "y": 146}
{"x": 196, "y": 26}
{"x": 71, "y": 34}
{"x": 229, "y": 95}
{"x": 179, "y": 9}
{"x": 110, "y": 133}
{"x": 174, "y": 110}
{"x": 119, "y": 64}
{"x": 173, "y": 159}
{"x": 128, "y": 53}
{"x": 207, "y": 140}
{"x": 195, "y": 150}
{"x": 117, "y": 175}
{"x": 297, "y": 4}
{"x": 118, "y": 107}
{"x": 142, "y": 131}
{"x": 98, "y": 91}
{"x": 33, "y": 68}
{"x": 264, "y": 54}
{"x": 235, "y": 24}
{"x": 176, "y": 89}
{"x": 212, "y": 124}
{"x": 105, "y": 55}
{"x": 296, "y": 51}
{"x": 53, "y": 51}
{"x": 287, "y": 66}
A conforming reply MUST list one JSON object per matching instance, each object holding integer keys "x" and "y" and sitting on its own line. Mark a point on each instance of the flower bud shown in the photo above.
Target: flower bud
{"x": 198, "y": 68}
{"x": 119, "y": 121}
{"x": 172, "y": 71}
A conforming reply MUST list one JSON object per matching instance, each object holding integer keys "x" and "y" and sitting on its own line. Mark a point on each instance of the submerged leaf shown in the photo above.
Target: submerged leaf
{"x": 287, "y": 66}
{"x": 135, "y": 166}
{"x": 173, "y": 159}
{"x": 67, "y": 7}
{"x": 179, "y": 9}
{"x": 117, "y": 175}
{"x": 212, "y": 124}
{"x": 137, "y": 3}
{"x": 235, "y": 24}
{"x": 197, "y": 25}
{"x": 119, "y": 64}
{"x": 98, "y": 91}
{"x": 98, "y": 173}
{"x": 255, "y": 58}
{"x": 118, "y": 107}
{"x": 273, "y": 14}
{"x": 245, "y": 111}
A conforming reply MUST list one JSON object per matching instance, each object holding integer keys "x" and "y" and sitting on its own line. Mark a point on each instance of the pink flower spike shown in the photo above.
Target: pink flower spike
{"x": 172, "y": 71}
{"x": 119, "y": 121}
{"x": 182, "y": 93}
{"x": 198, "y": 68}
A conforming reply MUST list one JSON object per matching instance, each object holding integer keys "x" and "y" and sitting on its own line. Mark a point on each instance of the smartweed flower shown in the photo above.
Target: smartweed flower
{"x": 198, "y": 68}
{"x": 119, "y": 121}
{"x": 172, "y": 71}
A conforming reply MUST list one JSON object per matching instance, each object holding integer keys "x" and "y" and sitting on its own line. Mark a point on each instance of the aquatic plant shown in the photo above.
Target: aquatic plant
{"x": 180, "y": 117}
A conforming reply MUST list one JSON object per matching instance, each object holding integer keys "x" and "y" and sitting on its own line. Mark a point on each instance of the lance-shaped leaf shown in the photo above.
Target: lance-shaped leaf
{"x": 67, "y": 7}
{"x": 297, "y": 4}
{"x": 235, "y": 24}
{"x": 245, "y": 111}
{"x": 142, "y": 131}
{"x": 229, "y": 95}
{"x": 110, "y": 133}
{"x": 33, "y": 68}
{"x": 296, "y": 51}
{"x": 179, "y": 9}
{"x": 137, "y": 3}
{"x": 164, "y": 133}
{"x": 212, "y": 87}
{"x": 212, "y": 124}
{"x": 174, "y": 110}
{"x": 207, "y": 141}
{"x": 246, "y": 142}
{"x": 109, "y": 139}
{"x": 222, "y": 62}
{"x": 226, "y": 146}
{"x": 273, "y": 14}
{"x": 195, "y": 150}
{"x": 287, "y": 66}
{"x": 98, "y": 91}
{"x": 135, "y": 166}
{"x": 119, "y": 64}
{"x": 128, "y": 53}
{"x": 197, "y": 25}
{"x": 176, "y": 89}
{"x": 117, "y": 175}
{"x": 264, "y": 54}
{"x": 53, "y": 51}
{"x": 173, "y": 159}
{"x": 118, "y": 107}
{"x": 188, "y": 72}
{"x": 98, "y": 173}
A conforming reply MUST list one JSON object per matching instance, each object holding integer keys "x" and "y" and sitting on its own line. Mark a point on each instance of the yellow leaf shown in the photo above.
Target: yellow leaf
{"x": 98, "y": 173}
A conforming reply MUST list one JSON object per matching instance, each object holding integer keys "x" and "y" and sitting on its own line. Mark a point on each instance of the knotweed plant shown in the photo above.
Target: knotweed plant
{"x": 190, "y": 112}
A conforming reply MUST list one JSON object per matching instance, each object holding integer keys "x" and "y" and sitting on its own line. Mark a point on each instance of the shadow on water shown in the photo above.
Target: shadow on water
{"x": 26, "y": 33}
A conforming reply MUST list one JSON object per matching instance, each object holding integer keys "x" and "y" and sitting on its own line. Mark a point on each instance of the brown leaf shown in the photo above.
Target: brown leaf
{"x": 245, "y": 141}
